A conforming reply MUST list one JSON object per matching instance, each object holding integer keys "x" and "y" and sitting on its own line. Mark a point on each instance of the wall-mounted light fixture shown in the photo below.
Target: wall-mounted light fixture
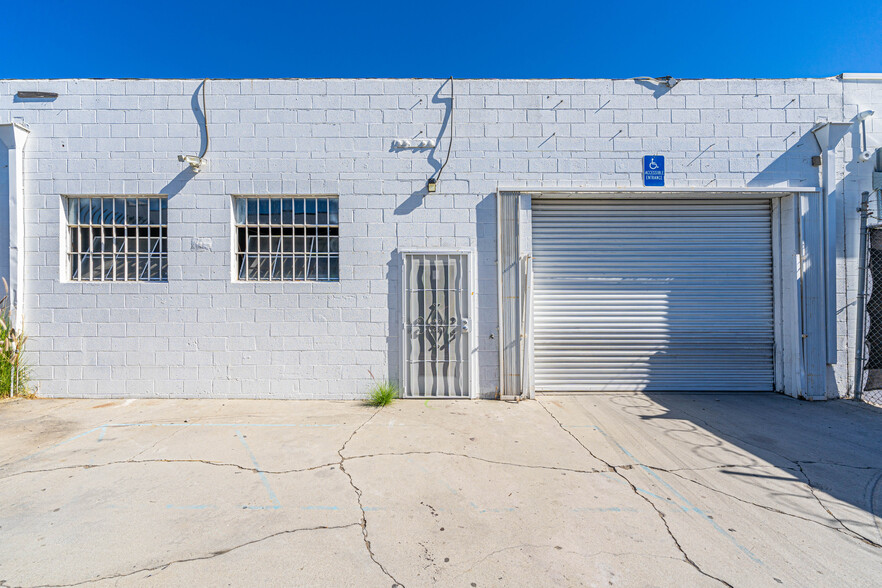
{"x": 195, "y": 162}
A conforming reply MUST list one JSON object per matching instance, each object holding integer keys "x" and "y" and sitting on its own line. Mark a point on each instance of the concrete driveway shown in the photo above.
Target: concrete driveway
{"x": 633, "y": 490}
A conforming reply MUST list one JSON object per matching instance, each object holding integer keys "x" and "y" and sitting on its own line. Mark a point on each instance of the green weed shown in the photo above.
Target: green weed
{"x": 382, "y": 393}
{"x": 14, "y": 372}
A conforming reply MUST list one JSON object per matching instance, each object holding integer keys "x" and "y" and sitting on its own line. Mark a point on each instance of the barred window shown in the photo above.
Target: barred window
{"x": 287, "y": 239}
{"x": 117, "y": 239}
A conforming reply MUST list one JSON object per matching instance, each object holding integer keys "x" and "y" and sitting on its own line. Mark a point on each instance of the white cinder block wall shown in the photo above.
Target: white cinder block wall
{"x": 202, "y": 335}
{"x": 860, "y": 93}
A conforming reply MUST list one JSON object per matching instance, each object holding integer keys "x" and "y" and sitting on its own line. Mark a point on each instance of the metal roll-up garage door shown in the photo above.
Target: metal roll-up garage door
{"x": 650, "y": 294}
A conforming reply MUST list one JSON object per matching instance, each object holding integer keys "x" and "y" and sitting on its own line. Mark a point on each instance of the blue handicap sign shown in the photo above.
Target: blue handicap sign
{"x": 653, "y": 170}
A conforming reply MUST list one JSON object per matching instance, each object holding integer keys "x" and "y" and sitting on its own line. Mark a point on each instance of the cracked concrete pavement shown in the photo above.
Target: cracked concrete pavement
{"x": 633, "y": 490}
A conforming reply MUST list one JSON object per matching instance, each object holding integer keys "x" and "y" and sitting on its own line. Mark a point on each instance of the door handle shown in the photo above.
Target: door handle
{"x": 465, "y": 325}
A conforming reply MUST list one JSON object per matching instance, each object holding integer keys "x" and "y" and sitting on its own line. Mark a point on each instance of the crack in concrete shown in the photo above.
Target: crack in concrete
{"x": 363, "y": 522}
{"x": 211, "y": 555}
{"x": 798, "y": 468}
{"x": 476, "y": 458}
{"x": 844, "y": 530}
{"x": 636, "y": 492}
{"x": 808, "y": 482}
{"x": 715, "y": 467}
{"x": 838, "y": 465}
{"x": 202, "y": 461}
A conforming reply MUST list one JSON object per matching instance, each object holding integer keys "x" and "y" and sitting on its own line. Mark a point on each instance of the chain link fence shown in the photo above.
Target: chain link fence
{"x": 872, "y": 393}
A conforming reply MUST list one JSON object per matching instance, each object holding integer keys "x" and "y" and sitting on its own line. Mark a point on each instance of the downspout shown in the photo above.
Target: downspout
{"x": 827, "y": 144}
{"x": 500, "y": 314}
{"x": 527, "y": 327}
{"x": 14, "y": 136}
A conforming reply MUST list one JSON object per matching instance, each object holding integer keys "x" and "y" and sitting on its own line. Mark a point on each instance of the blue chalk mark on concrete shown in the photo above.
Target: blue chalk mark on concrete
{"x": 103, "y": 432}
{"x": 494, "y": 510}
{"x": 688, "y": 505}
{"x": 273, "y": 498}
{"x": 642, "y": 490}
{"x": 318, "y": 507}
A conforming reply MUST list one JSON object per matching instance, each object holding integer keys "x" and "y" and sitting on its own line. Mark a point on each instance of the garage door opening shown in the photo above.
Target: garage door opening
{"x": 653, "y": 294}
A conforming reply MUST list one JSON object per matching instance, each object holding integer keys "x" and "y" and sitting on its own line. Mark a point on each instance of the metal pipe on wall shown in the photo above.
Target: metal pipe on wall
{"x": 828, "y": 135}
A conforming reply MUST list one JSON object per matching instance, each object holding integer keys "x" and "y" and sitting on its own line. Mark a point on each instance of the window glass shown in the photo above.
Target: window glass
{"x": 285, "y": 239}
{"x": 116, "y": 239}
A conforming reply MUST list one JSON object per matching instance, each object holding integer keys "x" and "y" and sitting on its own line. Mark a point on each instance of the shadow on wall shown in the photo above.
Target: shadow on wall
{"x": 658, "y": 89}
{"x": 185, "y": 175}
{"x": 416, "y": 198}
{"x": 834, "y": 447}
{"x": 860, "y": 173}
{"x": 178, "y": 182}
{"x": 791, "y": 165}
{"x": 393, "y": 339}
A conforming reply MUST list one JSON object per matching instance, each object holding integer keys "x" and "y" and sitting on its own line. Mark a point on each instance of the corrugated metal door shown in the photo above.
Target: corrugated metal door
{"x": 653, "y": 295}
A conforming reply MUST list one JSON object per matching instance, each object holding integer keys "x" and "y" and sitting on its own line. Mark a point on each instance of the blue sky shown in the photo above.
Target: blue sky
{"x": 618, "y": 38}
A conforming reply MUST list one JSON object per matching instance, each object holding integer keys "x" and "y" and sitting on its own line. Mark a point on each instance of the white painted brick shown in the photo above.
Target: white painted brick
{"x": 185, "y": 338}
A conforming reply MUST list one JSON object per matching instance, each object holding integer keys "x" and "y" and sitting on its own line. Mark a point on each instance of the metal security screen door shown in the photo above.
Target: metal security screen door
{"x": 656, "y": 295}
{"x": 436, "y": 325}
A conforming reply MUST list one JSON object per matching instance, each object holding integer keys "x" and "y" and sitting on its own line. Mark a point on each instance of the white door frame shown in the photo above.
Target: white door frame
{"x": 471, "y": 338}
{"x": 789, "y": 241}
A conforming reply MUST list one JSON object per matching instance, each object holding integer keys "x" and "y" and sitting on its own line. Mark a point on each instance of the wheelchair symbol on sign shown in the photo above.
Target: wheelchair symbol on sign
{"x": 652, "y": 164}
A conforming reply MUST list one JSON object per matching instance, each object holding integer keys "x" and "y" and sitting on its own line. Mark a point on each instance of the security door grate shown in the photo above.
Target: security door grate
{"x": 436, "y": 325}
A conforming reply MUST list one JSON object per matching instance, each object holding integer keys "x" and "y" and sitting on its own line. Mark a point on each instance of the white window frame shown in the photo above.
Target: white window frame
{"x": 138, "y": 251}
{"x": 314, "y": 258}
